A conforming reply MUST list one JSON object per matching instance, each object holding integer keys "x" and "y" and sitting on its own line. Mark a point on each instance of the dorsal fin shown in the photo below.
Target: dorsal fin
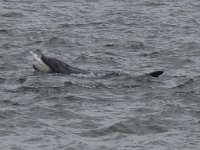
{"x": 156, "y": 73}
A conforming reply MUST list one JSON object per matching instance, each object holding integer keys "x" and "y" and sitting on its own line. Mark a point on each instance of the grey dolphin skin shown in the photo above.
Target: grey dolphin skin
{"x": 53, "y": 65}
{"x": 58, "y": 66}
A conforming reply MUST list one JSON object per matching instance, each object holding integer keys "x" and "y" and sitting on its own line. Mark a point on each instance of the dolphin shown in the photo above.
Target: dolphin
{"x": 54, "y": 65}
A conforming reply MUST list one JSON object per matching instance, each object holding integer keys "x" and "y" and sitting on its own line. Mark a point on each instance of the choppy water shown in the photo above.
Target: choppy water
{"x": 120, "y": 108}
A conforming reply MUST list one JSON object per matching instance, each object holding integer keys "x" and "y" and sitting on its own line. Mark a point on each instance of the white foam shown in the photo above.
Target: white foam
{"x": 81, "y": 75}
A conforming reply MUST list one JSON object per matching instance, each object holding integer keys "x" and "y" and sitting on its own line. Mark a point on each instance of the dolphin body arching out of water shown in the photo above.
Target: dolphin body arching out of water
{"x": 53, "y": 65}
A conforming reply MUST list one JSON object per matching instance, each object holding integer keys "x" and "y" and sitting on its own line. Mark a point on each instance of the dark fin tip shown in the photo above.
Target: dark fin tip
{"x": 156, "y": 73}
{"x": 44, "y": 59}
{"x": 35, "y": 67}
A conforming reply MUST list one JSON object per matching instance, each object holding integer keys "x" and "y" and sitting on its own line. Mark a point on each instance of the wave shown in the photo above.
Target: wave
{"x": 12, "y": 14}
{"x": 134, "y": 45}
{"x": 132, "y": 126}
{"x": 185, "y": 87}
{"x": 2, "y": 80}
{"x": 43, "y": 112}
{"x": 5, "y": 31}
{"x": 90, "y": 85}
{"x": 8, "y": 103}
{"x": 127, "y": 45}
{"x": 79, "y": 25}
{"x": 58, "y": 42}
{"x": 87, "y": 59}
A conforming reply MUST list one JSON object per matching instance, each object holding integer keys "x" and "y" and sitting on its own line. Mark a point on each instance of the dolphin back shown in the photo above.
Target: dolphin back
{"x": 58, "y": 66}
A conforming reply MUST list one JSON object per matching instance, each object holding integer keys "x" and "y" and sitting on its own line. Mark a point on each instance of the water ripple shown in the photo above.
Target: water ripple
{"x": 133, "y": 126}
{"x": 118, "y": 105}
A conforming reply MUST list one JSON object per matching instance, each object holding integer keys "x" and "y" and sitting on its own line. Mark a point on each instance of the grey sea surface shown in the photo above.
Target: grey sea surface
{"x": 118, "y": 108}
